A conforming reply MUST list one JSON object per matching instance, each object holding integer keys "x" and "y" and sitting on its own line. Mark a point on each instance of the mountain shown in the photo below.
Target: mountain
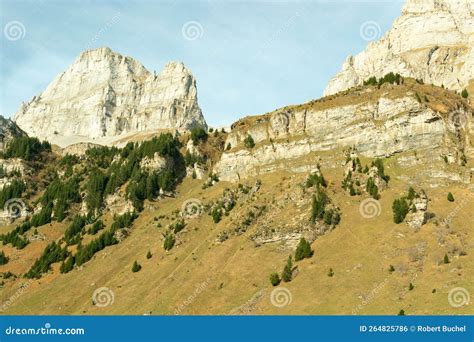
{"x": 104, "y": 94}
{"x": 8, "y": 131}
{"x": 377, "y": 179}
{"x": 433, "y": 40}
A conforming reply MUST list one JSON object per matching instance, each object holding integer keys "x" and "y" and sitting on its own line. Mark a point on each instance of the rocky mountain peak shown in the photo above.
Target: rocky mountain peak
{"x": 104, "y": 94}
{"x": 432, "y": 40}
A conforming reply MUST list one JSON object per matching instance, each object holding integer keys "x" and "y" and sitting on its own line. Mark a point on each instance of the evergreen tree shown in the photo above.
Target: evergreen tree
{"x": 249, "y": 142}
{"x": 148, "y": 255}
{"x": 446, "y": 259}
{"x": 3, "y": 258}
{"x": 136, "y": 267}
{"x": 450, "y": 197}
{"x": 330, "y": 272}
{"x": 400, "y": 210}
{"x": 68, "y": 265}
{"x": 303, "y": 250}
{"x": 169, "y": 242}
{"x": 464, "y": 93}
{"x": 287, "y": 274}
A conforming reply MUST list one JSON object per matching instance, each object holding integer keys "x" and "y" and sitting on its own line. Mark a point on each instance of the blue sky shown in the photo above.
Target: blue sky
{"x": 249, "y": 58}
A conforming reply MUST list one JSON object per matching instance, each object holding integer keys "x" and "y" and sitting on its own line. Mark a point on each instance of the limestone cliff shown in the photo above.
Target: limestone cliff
{"x": 432, "y": 40}
{"x": 104, "y": 94}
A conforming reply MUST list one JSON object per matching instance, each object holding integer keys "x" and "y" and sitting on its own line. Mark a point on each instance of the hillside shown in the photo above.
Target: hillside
{"x": 228, "y": 237}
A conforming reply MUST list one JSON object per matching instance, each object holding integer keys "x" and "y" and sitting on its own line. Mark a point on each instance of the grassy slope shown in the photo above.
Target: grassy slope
{"x": 212, "y": 278}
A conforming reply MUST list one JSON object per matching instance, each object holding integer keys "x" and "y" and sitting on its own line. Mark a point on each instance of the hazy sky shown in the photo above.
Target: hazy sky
{"x": 249, "y": 57}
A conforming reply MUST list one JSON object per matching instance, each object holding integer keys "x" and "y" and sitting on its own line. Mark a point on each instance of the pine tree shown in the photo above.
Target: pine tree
{"x": 303, "y": 250}
{"x": 169, "y": 242}
{"x": 287, "y": 274}
{"x": 401, "y": 313}
{"x": 67, "y": 265}
{"x": 149, "y": 255}
{"x": 391, "y": 269}
{"x": 446, "y": 259}
{"x": 450, "y": 197}
{"x": 464, "y": 93}
{"x": 330, "y": 272}
{"x": 136, "y": 267}
{"x": 410, "y": 287}
{"x": 3, "y": 258}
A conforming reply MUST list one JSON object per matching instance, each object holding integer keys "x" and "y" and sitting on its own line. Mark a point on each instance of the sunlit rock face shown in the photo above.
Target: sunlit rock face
{"x": 105, "y": 94}
{"x": 432, "y": 40}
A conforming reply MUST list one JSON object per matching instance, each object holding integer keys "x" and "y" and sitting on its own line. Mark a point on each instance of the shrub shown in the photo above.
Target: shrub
{"x": 410, "y": 287}
{"x": 446, "y": 259}
{"x": 275, "y": 279}
{"x": 249, "y": 142}
{"x": 330, "y": 272}
{"x": 178, "y": 226}
{"x": 401, "y": 313}
{"x": 68, "y": 265}
{"x": 464, "y": 93}
{"x": 450, "y": 197}
{"x": 391, "y": 269}
{"x": 51, "y": 254}
{"x": 320, "y": 200}
{"x": 149, "y": 255}
{"x": 303, "y": 250}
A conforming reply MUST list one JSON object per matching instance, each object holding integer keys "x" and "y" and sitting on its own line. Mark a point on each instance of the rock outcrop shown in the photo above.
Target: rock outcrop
{"x": 8, "y": 131}
{"x": 104, "y": 94}
{"x": 432, "y": 40}
{"x": 377, "y": 122}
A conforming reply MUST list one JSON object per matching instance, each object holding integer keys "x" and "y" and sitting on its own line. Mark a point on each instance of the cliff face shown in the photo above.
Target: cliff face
{"x": 104, "y": 94}
{"x": 8, "y": 131}
{"x": 422, "y": 119}
{"x": 432, "y": 40}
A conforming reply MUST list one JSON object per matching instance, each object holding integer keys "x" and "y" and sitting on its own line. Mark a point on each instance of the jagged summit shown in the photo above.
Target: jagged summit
{"x": 105, "y": 94}
{"x": 432, "y": 40}
{"x": 8, "y": 131}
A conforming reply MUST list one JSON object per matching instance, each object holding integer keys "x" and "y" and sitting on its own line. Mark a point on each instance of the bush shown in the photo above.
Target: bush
{"x": 330, "y": 273}
{"x": 391, "y": 269}
{"x": 287, "y": 274}
{"x": 303, "y": 250}
{"x": 249, "y": 142}
{"x": 136, "y": 267}
{"x": 464, "y": 93}
{"x": 372, "y": 189}
{"x": 178, "y": 226}
{"x": 446, "y": 259}
{"x": 410, "y": 287}
{"x": 275, "y": 279}
{"x": 67, "y": 265}
{"x": 450, "y": 197}
{"x": 401, "y": 313}
{"x": 149, "y": 255}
